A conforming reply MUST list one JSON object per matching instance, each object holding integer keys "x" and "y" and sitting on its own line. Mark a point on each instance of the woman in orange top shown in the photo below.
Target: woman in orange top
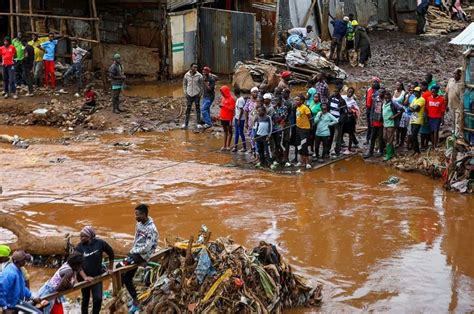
{"x": 227, "y": 115}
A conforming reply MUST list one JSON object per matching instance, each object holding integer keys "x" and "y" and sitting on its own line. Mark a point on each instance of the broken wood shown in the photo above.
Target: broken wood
{"x": 10, "y": 17}
{"x": 63, "y": 17}
{"x": 49, "y": 245}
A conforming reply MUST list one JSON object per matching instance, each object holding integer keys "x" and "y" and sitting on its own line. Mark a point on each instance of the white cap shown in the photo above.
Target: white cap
{"x": 254, "y": 89}
{"x": 267, "y": 96}
{"x": 346, "y": 19}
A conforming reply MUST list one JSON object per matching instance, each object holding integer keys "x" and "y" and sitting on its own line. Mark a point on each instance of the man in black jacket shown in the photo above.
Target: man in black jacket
{"x": 93, "y": 249}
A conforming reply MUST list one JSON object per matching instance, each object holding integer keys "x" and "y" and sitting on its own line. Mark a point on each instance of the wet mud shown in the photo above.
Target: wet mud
{"x": 404, "y": 247}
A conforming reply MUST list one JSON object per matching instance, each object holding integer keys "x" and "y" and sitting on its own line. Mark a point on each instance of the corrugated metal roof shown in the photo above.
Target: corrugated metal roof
{"x": 176, "y": 4}
{"x": 466, "y": 38}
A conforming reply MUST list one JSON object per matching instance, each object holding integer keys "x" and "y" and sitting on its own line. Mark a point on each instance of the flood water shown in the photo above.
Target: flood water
{"x": 402, "y": 248}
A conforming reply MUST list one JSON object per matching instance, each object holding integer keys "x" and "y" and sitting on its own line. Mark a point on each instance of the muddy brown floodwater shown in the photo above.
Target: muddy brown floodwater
{"x": 403, "y": 248}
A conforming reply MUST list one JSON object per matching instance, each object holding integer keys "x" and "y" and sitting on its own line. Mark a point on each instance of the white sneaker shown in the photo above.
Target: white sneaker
{"x": 287, "y": 165}
{"x": 15, "y": 96}
{"x": 5, "y": 95}
{"x": 199, "y": 126}
{"x": 275, "y": 163}
{"x": 308, "y": 166}
{"x": 184, "y": 127}
{"x": 29, "y": 95}
{"x": 77, "y": 95}
{"x": 299, "y": 164}
{"x": 361, "y": 65}
{"x": 62, "y": 91}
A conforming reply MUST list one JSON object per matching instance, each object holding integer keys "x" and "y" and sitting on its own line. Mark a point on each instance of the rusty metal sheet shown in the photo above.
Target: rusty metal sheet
{"x": 226, "y": 37}
{"x": 136, "y": 60}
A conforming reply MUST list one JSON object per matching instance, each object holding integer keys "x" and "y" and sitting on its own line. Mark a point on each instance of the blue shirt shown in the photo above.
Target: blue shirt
{"x": 340, "y": 29}
{"x": 49, "y": 47}
{"x": 323, "y": 121}
{"x": 12, "y": 287}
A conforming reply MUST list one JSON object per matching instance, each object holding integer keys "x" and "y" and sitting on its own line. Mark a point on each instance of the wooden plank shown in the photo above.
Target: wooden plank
{"x": 30, "y": 9}
{"x": 12, "y": 24}
{"x": 50, "y": 16}
{"x": 332, "y": 161}
{"x": 116, "y": 273}
{"x": 18, "y": 10}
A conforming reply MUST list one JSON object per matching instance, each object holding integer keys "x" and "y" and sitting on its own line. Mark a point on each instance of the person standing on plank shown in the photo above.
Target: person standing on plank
{"x": 92, "y": 250}
{"x": 117, "y": 76}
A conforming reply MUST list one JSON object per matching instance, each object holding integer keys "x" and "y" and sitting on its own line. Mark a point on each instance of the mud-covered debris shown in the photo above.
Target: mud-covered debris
{"x": 391, "y": 180}
{"x": 221, "y": 276}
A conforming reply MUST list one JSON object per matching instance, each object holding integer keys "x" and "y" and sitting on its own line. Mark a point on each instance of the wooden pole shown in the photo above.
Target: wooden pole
{"x": 18, "y": 10}
{"x": 49, "y": 16}
{"x": 308, "y": 14}
{"x": 32, "y": 22}
{"x": 325, "y": 21}
{"x": 10, "y": 17}
{"x": 103, "y": 73}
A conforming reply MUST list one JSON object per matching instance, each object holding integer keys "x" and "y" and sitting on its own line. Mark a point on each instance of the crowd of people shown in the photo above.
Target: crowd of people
{"x": 84, "y": 264}
{"x": 268, "y": 123}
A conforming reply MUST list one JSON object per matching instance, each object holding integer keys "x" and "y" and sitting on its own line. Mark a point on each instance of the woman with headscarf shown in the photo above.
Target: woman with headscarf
{"x": 92, "y": 250}
{"x": 313, "y": 102}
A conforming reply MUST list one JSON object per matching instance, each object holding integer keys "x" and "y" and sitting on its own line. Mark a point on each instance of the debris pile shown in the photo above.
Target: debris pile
{"x": 459, "y": 175}
{"x": 439, "y": 23}
{"x": 222, "y": 276}
{"x": 16, "y": 141}
{"x": 250, "y": 75}
{"x": 309, "y": 59}
{"x": 431, "y": 163}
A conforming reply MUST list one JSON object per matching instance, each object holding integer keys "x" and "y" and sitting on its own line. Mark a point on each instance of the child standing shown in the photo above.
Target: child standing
{"x": 323, "y": 121}
{"x": 227, "y": 114}
{"x": 239, "y": 121}
{"x": 263, "y": 130}
{"x": 391, "y": 110}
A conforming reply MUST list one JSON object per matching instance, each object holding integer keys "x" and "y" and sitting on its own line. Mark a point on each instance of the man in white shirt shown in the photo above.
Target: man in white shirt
{"x": 78, "y": 56}
{"x": 301, "y": 31}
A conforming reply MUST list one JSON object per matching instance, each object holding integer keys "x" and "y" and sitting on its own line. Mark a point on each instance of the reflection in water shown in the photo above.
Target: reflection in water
{"x": 402, "y": 248}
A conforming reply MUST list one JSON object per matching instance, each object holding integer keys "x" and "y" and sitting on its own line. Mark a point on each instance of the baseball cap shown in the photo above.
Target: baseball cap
{"x": 5, "y": 250}
{"x": 20, "y": 255}
{"x": 267, "y": 96}
{"x": 254, "y": 89}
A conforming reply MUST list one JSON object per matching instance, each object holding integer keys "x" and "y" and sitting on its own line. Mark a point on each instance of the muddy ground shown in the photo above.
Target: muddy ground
{"x": 398, "y": 56}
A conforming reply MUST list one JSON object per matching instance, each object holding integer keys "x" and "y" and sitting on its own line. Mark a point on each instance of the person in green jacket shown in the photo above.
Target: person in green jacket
{"x": 323, "y": 120}
{"x": 19, "y": 57}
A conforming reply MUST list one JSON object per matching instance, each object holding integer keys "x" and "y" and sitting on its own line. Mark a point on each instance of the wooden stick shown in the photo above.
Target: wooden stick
{"x": 73, "y": 38}
{"x": 94, "y": 15}
{"x": 51, "y": 16}
{"x": 308, "y": 14}
{"x": 18, "y": 10}
{"x": 12, "y": 24}
{"x": 30, "y": 8}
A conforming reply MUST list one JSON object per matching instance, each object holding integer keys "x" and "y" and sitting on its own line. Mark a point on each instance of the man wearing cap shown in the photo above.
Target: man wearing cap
{"x": 92, "y": 250}
{"x": 13, "y": 290}
{"x": 417, "y": 118}
{"x": 5, "y": 252}
{"x": 209, "y": 94}
{"x": 285, "y": 80}
{"x": 117, "y": 76}
{"x": 193, "y": 88}
{"x": 435, "y": 109}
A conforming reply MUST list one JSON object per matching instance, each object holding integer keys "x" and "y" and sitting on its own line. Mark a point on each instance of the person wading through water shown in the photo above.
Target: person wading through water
{"x": 118, "y": 77}
{"x": 92, "y": 250}
{"x": 144, "y": 245}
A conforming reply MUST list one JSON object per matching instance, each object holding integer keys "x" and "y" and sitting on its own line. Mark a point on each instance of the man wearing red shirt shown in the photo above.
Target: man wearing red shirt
{"x": 369, "y": 98}
{"x": 435, "y": 108}
{"x": 8, "y": 52}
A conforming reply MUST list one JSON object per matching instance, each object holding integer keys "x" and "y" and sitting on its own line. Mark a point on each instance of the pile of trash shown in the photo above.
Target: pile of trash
{"x": 440, "y": 23}
{"x": 248, "y": 75}
{"x": 222, "y": 276}
{"x": 15, "y": 141}
{"x": 313, "y": 61}
{"x": 459, "y": 175}
{"x": 431, "y": 163}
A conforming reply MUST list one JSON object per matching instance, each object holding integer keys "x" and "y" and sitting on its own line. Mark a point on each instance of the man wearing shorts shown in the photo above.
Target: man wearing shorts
{"x": 435, "y": 108}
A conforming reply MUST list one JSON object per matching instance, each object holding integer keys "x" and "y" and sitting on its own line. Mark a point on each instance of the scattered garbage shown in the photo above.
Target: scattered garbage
{"x": 459, "y": 175}
{"x": 58, "y": 160}
{"x": 312, "y": 60}
{"x": 249, "y": 75}
{"x": 222, "y": 276}
{"x": 15, "y": 140}
{"x": 391, "y": 180}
